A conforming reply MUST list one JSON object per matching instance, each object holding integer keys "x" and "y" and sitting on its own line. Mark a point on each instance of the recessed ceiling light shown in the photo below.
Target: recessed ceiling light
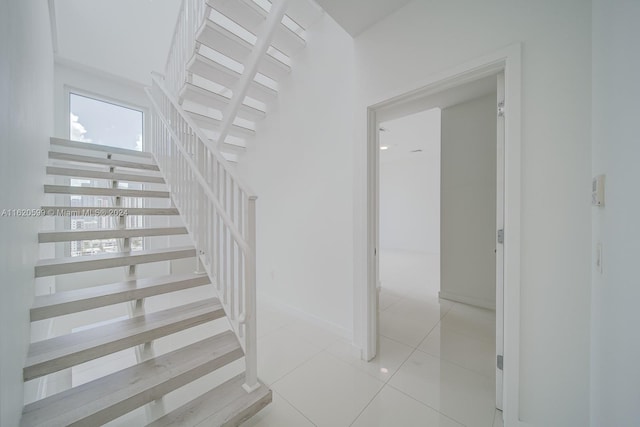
{"x": 384, "y": 147}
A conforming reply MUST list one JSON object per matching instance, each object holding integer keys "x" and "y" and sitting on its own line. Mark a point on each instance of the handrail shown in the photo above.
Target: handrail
{"x": 183, "y": 42}
{"x": 218, "y": 211}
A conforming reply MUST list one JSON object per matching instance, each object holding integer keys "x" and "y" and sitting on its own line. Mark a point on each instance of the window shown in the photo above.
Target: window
{"x": 99, "y": 122}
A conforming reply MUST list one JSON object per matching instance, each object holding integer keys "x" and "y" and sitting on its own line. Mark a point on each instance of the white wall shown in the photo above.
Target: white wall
{"x": 468, "y": 197}
{"x": 300, "y": 165}
{"x": 410, "y": 183}
{"x": 26, "y": 112}
{"x": 615, "y": 349}
{"x": 428, "y": 37}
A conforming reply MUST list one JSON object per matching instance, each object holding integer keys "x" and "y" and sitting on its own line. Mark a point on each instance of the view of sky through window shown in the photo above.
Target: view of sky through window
{"x": 104, "y": 123}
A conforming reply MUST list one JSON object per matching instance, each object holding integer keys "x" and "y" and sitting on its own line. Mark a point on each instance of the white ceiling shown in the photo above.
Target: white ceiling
{"x": 127, "y": 38}
{"x": 355, "y": 16}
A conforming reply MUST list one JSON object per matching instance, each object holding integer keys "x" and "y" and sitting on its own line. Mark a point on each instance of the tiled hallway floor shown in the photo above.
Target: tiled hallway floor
{"x": 434, "y": 366}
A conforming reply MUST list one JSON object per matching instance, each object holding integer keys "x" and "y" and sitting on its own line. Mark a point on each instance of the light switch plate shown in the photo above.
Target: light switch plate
{"x": 597, "y": 191}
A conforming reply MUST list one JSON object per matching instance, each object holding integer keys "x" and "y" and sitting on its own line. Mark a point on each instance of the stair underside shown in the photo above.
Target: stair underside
{"x": 61, "y": 303}
{"x": 65, "y": 351}
{"x": 211, "y": 70}
{"x": 221, "y": 40}
{"x": 226, "y": 405}
{"x": 109, "y": 397}
{"x": 251, "y": 16}
{"x": 216, "y": 101}
{"x": 54, "y": 266}
{"x": 213, "y": 125}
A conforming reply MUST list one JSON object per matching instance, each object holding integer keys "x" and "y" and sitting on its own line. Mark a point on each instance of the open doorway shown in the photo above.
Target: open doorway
{"x": 437, "y": 249}
{"x": 508, "y": 63}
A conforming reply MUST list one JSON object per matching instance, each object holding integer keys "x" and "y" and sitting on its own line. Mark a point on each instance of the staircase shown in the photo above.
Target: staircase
{"x": 172, "y": 340}
{"x": 176, "y": 326}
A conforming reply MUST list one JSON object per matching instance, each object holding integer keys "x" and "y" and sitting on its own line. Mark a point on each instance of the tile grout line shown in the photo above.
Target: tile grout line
{"x": 428, "y": 406}
{"x": 294, "y": 407}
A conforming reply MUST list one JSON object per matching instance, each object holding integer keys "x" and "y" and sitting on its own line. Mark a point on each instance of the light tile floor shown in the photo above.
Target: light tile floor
{"x": 434, "y": 366}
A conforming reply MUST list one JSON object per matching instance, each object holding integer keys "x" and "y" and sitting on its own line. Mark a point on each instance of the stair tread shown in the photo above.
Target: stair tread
{"x": 113, "y": 255}
{"x": 98, "y": 147}
{"x": 227, "y": 404}
{"x": 67, "y": 235}
{"x": 56, "y": 155}
{"x": 101, "y": 191}
{"x": 54, "y": 354}
{"x": 61, "y": 303}
{"x": 54, "y": 266}
{"x": 109, "y": 397}
{"x": 116, "y": 176}
{"x": 77, "y": 210}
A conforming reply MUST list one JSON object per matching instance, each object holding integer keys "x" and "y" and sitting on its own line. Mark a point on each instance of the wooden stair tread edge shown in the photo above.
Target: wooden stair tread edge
{"x": 66, "y": 302}
{"x": 55, "y": 354}
{"x": 98, "y": 147}
{"x": 96, "y": 174}
{"x": 78, "y": 210}
{"x": 103, "y": 191}
{"x": 56, "y": 155}
{"x": 109, "y": 397}
{"x": 113, "y": 255}
{"x": 67, "y": 235}
{"x": 227, "y": 404}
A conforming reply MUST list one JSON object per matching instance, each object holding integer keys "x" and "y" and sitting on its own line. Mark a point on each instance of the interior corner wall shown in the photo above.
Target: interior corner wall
{"x": 615, "y": 349}
{"x": 468, "y": 202}
{"x": 425, "y": 38}
{"x": 300, "y": 166}
{"x": 26, "y": 122}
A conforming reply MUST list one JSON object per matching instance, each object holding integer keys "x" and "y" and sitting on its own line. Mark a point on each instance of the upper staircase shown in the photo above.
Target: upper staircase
{"x": 227, "y": 60}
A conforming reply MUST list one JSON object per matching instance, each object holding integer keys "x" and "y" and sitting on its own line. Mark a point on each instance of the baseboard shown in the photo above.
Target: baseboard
{"x": 294, "y": 311}
{"x": 478, "y": 302}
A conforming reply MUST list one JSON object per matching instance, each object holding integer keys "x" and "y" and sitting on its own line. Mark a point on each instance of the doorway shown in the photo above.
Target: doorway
{"x": 507, "y": 329}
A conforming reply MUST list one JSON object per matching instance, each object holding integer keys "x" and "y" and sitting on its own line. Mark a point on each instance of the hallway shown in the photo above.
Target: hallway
{"x": 434, "y": 367}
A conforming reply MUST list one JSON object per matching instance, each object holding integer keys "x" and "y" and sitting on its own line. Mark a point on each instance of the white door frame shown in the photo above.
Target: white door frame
{"x": 366, "y": 237}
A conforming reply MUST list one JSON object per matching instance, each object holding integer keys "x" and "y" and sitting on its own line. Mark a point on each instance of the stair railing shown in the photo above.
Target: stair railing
{"x": 219, "y": 212}
{"x": 183, "y": 43}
